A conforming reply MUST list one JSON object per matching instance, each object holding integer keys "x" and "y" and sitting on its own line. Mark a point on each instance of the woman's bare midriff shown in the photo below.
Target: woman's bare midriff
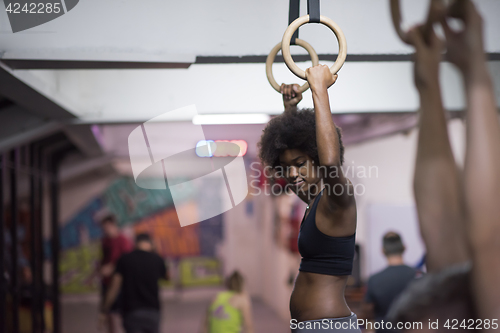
{"x": 318, "y": 296}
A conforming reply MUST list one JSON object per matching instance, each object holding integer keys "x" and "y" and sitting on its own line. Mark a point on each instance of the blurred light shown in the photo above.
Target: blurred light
{"x": 205, "y": 148}
{"x": 225, "y": 119}
{"x": 209, "y": 148}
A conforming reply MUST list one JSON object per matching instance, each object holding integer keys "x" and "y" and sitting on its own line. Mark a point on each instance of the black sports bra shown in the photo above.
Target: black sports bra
{"x": 321, "y": 253}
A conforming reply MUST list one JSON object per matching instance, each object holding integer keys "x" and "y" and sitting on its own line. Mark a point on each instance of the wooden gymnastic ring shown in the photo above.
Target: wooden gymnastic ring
{"x": 397, "y": 20}
{"x": 272, "y": 56}
{"x": 285, "y": 45}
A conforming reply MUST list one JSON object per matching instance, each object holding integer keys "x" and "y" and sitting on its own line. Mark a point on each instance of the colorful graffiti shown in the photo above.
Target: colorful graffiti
{"x": 169, "y": 238}
{"x": 142, "y": 210}
{"x": 200, "y": 272}
{"x": 130, "y": 203}
{"x": 77, "y": 268}
{"x": 82, "y": 228}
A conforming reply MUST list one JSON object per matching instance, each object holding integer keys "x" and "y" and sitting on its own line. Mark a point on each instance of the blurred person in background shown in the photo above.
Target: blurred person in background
{"x": 385, "y": 286}
{"x": 114, "y": 245}
{"x": 136, "y": 278}
{"x": 231, "y": 310}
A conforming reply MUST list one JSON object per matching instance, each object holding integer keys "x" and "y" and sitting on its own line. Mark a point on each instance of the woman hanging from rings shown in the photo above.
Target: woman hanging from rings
{"x": 306, "y": 147}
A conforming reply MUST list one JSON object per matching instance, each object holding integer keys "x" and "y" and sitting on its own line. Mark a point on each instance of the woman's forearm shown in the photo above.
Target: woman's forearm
{"x": 433, "y": 140}
{"x": 482, "y": 176}
{"x": 437, "y": 186}
{"x": 326, "y": 133}
{"x": 482, "y": 187}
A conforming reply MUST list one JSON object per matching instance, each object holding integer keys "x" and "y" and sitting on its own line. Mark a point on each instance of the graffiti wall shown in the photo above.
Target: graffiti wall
{"x": 190, "y": 249}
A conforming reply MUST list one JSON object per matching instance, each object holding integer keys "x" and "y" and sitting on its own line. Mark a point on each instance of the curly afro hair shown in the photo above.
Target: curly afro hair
{"x": 292, "y": 130}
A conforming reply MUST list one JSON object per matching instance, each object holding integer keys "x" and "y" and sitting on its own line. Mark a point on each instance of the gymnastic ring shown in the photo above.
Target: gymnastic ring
{"x": 272, "y": 56}
{"x": 397, "y": 20}
{"x": 285, "y": 45}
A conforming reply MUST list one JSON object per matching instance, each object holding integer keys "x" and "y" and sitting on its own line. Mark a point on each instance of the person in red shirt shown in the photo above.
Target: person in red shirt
{"x": 114, "y": 245}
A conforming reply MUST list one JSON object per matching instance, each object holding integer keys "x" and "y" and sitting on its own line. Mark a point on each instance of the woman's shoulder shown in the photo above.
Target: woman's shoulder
{"x": 337, "y": 219}
{"x": 338, "y": 199}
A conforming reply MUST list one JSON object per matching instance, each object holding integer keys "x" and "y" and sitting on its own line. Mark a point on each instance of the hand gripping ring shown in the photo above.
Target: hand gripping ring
{"x": 397, "y": 20}
{"x": 272, "y": 56}
{"x": 285, "y": 44}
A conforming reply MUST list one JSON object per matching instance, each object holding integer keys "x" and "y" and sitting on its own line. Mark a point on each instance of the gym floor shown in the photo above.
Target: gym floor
{"x": 181, "y": 313}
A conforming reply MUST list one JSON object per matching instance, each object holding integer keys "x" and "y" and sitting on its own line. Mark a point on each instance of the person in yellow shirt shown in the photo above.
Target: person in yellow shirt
{"x": 231, "y": 310}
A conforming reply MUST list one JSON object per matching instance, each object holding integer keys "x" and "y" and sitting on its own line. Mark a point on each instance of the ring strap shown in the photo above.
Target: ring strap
{"x": 313, "y": 11}
{"x": 293, "y": 14}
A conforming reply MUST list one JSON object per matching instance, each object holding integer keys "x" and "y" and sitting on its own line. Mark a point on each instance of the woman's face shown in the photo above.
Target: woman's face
{"x": 301, "y": 173}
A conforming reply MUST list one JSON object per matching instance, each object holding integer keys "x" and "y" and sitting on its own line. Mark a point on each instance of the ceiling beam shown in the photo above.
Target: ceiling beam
{"x": 52, "y": 117}
{"x": 95, "y": 59}
{"x": 324, "y": 57}
{"x": 25, "y": 96}
{"x": 54, "y": 64}
{"x": 71, "y": 64}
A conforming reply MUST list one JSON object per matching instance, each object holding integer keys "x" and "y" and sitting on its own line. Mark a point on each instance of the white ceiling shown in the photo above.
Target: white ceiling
{"x": 153, "y": 30}
{"x": 139, "y": 95}
{"x": 218, "y": 27}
